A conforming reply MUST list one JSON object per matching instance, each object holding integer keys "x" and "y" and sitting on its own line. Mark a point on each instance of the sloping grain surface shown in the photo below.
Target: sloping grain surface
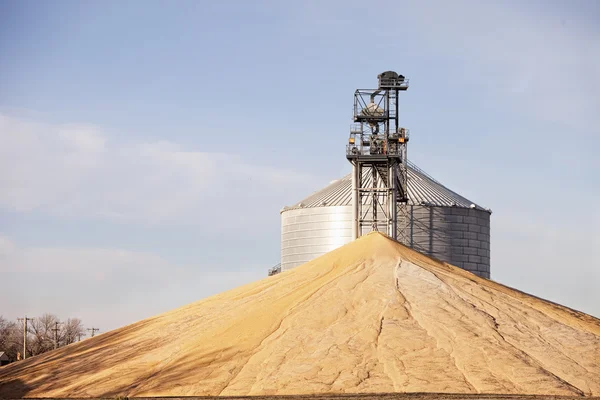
{"x": 370, "y": 317}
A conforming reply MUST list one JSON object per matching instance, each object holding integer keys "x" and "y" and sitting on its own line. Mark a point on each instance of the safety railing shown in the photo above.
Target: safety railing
{"x": 393, "y": 83}
{"x": 380, "y": 149}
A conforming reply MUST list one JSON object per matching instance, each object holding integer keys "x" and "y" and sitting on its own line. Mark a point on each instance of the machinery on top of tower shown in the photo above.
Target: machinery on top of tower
{"x": 377, "y": 151}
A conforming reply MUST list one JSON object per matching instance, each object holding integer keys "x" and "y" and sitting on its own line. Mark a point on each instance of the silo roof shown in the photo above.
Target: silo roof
{"x": 422, "y": 190}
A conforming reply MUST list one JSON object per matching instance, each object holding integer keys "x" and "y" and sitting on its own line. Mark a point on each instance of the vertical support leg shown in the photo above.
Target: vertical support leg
{"x": 392, "y": 201}
{"x": 355, "y": 200}
{"x": 375, "y": 199}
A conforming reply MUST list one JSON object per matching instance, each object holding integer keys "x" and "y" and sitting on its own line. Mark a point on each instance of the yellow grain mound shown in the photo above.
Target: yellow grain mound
{"x": 372, "y": 316}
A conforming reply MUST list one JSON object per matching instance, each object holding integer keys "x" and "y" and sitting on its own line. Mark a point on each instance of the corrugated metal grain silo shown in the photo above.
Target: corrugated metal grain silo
{"x": 438, "y": 222}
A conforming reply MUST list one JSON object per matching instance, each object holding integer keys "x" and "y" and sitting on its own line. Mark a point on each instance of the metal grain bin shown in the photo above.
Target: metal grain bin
{"x": 438, "y": 222}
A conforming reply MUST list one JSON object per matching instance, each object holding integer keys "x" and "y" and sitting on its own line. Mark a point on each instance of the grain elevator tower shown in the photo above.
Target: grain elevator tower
{"x": 377, "y": 152}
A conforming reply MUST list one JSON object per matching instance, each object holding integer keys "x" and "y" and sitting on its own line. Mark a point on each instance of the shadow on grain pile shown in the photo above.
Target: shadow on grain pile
{"x": 102, "y": 355}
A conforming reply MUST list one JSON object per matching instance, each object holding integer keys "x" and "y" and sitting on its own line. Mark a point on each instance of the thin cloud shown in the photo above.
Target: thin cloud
{"x": 76, "y": 171}
{"x": 6, "y": 246}
{"x": 106, "y": 287}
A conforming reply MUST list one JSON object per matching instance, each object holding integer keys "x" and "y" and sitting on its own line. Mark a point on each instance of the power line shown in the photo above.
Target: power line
{"x": 93, "y": 330}
{"x": 25, "y": 319}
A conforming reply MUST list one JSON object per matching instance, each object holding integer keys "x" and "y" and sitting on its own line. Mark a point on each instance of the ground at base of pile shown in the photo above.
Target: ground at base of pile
{"x": 361, "y": 396}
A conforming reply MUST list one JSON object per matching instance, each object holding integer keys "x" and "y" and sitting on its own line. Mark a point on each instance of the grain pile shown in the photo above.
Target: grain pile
{"x": 372, "y": 316}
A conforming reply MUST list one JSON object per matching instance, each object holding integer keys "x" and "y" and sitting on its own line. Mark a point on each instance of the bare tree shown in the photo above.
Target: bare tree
{"x": 11, "y": 338}
{"x": 42, "y": 334}
{"x": 71, "y": 331}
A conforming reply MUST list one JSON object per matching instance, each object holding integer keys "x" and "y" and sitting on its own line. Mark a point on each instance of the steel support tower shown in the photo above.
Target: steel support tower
{"x": 377, "y": 151}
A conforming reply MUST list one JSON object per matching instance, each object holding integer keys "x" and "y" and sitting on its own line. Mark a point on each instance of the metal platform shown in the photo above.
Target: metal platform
{"x": 373, "y": 158}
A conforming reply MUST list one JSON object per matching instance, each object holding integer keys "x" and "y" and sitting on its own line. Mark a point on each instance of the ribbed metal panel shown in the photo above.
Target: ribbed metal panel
{"x": 422, "y": 190}
{"x": 440, "y": 223}
{"x": 307, "y": 233}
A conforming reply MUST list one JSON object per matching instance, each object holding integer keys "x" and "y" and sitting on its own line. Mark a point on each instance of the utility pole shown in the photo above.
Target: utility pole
{"x": 25, "y": 319}
{"x": 93, "y": 330}
{"x": 56, "y": 323}
{"x": 79, "y": 336}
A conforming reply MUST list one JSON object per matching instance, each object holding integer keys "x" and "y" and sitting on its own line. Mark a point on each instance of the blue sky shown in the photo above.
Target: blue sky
{"x": 147, "y": 147}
